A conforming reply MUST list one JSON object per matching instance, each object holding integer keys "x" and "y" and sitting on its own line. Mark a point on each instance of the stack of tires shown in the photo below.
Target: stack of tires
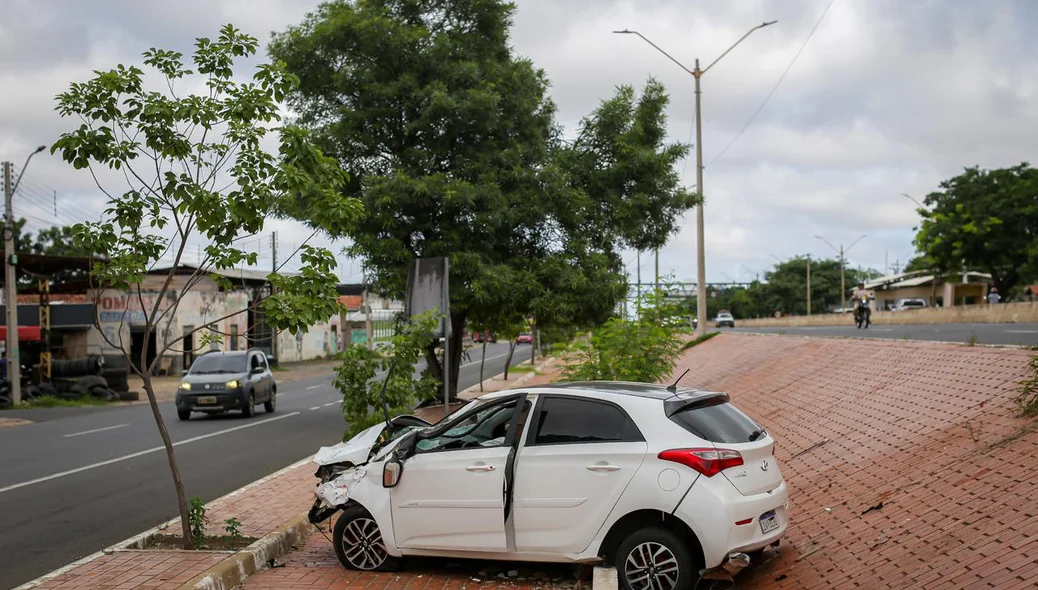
{"x": 95, "y": 376}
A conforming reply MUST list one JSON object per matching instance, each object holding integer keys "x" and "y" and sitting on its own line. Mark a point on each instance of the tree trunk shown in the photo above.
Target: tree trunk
{"x": 432, "y": 360}
{"x": 178, "y": 484}
{"x": 508, "y": 361}
{"x": 482, "y": 361}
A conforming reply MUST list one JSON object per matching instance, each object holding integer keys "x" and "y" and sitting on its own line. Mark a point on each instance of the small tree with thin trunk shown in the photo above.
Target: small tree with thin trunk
{"x": 192, "y": 167}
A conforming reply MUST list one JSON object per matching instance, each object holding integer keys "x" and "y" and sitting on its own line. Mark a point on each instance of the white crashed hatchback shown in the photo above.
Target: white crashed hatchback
{"x": 665, "y": 483}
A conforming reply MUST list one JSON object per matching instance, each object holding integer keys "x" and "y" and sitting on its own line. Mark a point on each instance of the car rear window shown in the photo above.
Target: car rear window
{"x": 719, "y": 423}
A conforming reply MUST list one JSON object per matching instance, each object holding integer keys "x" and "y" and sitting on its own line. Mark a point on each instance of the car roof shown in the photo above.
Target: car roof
{"x": 626, "y": 388}
{"x": 226, "y": 352}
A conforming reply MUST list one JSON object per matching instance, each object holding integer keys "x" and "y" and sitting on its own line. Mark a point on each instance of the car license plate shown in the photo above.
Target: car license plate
{"x": 768, "y": 522}
{"x": 206, "y": 400}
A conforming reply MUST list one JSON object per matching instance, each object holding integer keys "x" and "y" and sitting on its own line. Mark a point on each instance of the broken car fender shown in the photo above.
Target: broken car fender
{"x": 362, "y": 485}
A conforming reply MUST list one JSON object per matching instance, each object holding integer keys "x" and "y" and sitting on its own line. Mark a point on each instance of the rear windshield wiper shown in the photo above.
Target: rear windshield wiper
{"x": 757, "y": 434}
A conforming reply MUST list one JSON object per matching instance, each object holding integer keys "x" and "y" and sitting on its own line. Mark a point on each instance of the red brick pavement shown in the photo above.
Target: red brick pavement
{"x": 927, "y": 430}
{"x": 315, "y": 566}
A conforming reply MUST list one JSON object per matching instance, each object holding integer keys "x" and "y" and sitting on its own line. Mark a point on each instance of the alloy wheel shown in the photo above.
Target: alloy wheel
{"x": 362, "y": 544}
{"x": 651, "y": 566}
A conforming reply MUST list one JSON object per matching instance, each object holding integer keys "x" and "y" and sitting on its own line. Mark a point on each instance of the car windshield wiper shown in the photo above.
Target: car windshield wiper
{"x": 756, "y": 434}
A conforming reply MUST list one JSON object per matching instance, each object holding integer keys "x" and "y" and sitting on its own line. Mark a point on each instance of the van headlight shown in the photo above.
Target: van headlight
{"x": 233, "y": 384}
{"x": 185, "y": 386}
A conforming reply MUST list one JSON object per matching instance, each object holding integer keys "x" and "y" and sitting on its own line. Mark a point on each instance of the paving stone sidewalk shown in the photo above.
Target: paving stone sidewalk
{"x": 261, "y": 507}
{"x": 907, "y": 465}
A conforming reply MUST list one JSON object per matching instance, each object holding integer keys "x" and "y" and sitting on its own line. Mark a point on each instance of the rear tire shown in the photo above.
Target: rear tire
{"x": 358, "y": 543}
{"x": 183, "y": 414}
{"x": 654, "y": 558}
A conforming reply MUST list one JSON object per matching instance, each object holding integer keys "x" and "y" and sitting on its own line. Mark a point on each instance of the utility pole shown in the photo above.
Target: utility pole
{"x": 366, "y": 303}
{"x": 700, "y": 223}
{"x": 273, "y": 268}
{"x": 657, "y": 271}
{"x": 697, "y": 73}
{"x": 638, "y": 289}
{"x": 809, "y": 285}
{"x": 14, "y": 376}
{"x": 14, "y": 362}
{"x": 841, "y": 252}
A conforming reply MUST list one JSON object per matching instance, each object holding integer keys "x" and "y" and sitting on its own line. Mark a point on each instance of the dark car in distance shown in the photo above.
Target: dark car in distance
{"x": 222, "y": 381}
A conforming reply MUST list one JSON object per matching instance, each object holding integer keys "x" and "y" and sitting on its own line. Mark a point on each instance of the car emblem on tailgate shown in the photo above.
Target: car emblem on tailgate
{"x": 764, "y": 465}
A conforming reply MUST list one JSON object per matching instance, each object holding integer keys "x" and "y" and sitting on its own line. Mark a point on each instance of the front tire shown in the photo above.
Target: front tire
{"x": 184, "y": 414}
{"x": 358, "y": 543}
{"x": 250, "y": 406}
{"x": 271, "y": 404}
{"x": 654, "y": 558}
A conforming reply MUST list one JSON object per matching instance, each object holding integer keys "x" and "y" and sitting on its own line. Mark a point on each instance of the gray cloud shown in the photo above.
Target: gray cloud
{"x": 888, "y": 97}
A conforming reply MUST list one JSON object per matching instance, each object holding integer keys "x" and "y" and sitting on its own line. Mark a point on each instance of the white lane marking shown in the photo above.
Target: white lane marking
{"x": 315, "y": 408}
{"x": 140, "y": 453}
{"x": 94, "y": 430}
{"x": 1021, "y": 331}
{"x": 328, "y": 404}
{"x": 489, "y": 358}
{"x": 315, "y": 387}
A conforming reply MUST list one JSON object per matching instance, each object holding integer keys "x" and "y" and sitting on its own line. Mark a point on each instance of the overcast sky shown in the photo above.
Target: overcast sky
{"x": 887, "y": 97}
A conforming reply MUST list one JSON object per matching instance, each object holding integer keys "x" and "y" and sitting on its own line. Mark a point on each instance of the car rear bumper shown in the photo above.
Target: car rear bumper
{"x": 224, "y": 400}
{"x": 713, "y": 507}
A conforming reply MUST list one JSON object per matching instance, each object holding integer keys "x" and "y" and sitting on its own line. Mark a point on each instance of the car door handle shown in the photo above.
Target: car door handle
{"x": 479, "y": 468}
{"x": 601, "y": 467}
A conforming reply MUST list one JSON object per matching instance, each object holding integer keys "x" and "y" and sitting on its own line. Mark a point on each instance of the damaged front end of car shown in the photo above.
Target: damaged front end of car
{"x": 343, "y": 467}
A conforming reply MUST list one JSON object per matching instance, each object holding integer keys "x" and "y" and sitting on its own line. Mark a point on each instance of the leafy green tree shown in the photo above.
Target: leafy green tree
{"x": 396, "y": 358}
{"x": 192, "y": 167}
{"x": 986, "y": 220}
{"x": 457, "y": 153}
{"x": 642, "y": 349}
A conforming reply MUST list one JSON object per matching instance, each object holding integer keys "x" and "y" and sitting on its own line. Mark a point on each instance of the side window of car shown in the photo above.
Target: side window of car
{"x": 571, "y": 420}
{"x": 486, "y": 427}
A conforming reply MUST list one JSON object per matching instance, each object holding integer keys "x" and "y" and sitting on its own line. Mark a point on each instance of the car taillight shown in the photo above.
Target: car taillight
{"x": 709, "y": 462}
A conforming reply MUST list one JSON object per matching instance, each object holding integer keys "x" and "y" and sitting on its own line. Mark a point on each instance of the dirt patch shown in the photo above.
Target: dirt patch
{"x": 13, "y": 422}
{"x": 176, "y": 543}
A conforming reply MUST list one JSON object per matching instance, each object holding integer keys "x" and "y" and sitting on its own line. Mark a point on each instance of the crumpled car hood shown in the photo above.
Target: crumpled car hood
{"x": 355, "y": 450}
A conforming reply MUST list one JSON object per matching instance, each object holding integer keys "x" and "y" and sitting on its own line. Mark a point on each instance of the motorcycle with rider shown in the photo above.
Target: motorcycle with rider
{"x": 862, "y": 312}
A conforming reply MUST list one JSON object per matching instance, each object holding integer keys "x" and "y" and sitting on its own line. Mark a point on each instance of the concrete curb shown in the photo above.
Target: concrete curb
{"x": 136, "y": 540}
{"x": 232, "y": 571}
{"x": 604, "y": 579}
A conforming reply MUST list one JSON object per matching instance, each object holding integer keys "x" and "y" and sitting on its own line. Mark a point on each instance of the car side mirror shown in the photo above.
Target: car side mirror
{"x": 391, "y": 472}
{"x": 257, "y": 370}
{"x": 183, "y": 372}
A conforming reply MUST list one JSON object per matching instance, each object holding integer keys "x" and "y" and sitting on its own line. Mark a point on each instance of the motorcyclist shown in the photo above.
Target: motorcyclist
{"x": 860, "y": 293}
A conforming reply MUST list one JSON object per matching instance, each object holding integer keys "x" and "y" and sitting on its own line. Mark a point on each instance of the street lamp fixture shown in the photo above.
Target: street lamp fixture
{"x": 697, "y": 73}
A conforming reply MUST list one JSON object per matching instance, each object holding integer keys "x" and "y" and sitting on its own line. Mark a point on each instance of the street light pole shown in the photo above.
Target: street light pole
{"x": 700, "y": 223}
{"x": 14, "y": 373}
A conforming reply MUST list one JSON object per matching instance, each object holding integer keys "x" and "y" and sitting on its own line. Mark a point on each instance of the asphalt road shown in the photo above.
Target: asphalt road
{"x": 82, "y": 481}
{"x": 1012, "y": 334}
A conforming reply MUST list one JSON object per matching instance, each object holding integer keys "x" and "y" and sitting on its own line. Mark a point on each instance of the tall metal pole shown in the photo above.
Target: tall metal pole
{"x": 14, "y": 374}
{"x": 808, "y": 285}
{"x": 447, "y": 335}
{"x": 657, "y": 271}
{"x": 843, "y": 286}
{"x": 700, "y": 238}
{"x": 274, "y": 268}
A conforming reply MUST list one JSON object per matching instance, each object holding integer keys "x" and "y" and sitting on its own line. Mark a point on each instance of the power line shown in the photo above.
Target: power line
{"x": 775, "y": 87}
